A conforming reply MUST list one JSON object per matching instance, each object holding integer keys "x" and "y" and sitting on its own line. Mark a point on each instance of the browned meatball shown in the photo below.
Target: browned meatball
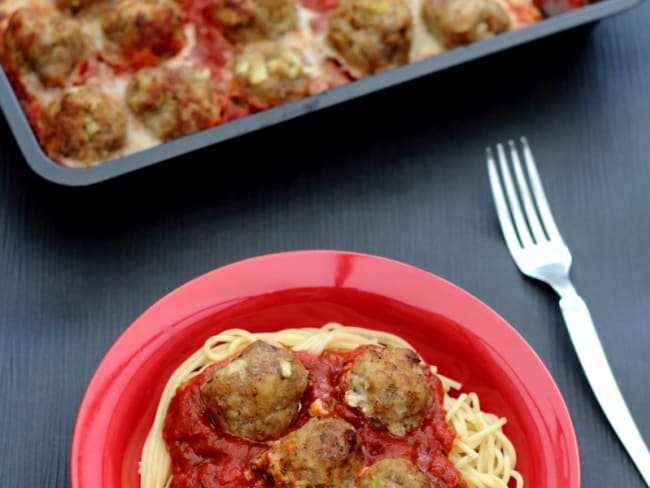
{"x": 323, "y": 452}
{"x": 41, "y": 40}
{"x": 253, "y": 20}
{"x": 85, "y": 124}
{"x": 257, "y": 395}
{"x": 457, "y": 22}
{"x": 395, "y": 473}
{"x": 371, "y": 35}
{"x": 267, "y": 74}
{"x": 173, "y": 102}
{"x": 145, "y": 31}
{"x": 388, "y": 386}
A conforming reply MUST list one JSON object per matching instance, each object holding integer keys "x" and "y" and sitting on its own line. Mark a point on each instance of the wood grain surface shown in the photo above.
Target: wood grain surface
{"x": 400, "y": 174}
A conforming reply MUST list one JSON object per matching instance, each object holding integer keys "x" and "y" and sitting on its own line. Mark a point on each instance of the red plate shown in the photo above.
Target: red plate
{"x": 450, "y": 328}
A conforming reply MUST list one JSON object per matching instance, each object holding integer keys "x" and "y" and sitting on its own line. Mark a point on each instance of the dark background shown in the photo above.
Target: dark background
{"x": 400, "y": 174}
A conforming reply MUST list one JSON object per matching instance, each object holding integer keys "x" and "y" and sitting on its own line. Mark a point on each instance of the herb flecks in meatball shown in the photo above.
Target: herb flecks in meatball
{"x": 243, "y": 21}
{"x": 268, "y": 74}
{"x": 173, "y": 102}
{"x": 395, "y": 473}
{"x": 389, "y": 387}
{"x": 323, "y": 452}
{"x": 84, "y": 124}
{"x": 145, "y": 31}
{"x": 371, "y": 35}
{"x": 457, "y": 22}
{"x": 43, "y": 41}
{"x": 257, "y": 394}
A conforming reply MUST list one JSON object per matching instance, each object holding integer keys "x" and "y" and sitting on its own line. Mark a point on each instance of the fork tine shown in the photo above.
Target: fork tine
{"x": 529, "y": 207}
{"x": 538, "y": 191}
{"x": 507, "y": 228}
{"x": 513, "y": 200}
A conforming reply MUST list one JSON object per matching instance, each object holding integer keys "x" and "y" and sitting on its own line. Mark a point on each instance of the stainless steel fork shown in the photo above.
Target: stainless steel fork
{"x": 540, "y": 252}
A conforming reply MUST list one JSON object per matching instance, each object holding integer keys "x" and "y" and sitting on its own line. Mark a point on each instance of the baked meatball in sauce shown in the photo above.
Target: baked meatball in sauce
{"x": 85, "y": 124}
{"x": 143, "y": 32}
{"x": 371, "y": 35}
{"x": 395, "y": 473}
{"x": 257, "y": 394}
{"x": 457, "y": 22}
{"x": 389, "y": 388}
{"x": 243, "y": 21}
{"x": 323, "y": 452}
{"x": 45, "y": 42}
{"x": 267, "y": 74}
{"x": 173, "y": 102}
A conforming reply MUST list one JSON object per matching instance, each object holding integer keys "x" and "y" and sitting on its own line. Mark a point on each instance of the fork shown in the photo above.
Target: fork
{"x": 539, "y": 251}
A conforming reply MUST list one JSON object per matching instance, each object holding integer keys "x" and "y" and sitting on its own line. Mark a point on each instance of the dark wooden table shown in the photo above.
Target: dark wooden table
{"x": 404, "y": 177}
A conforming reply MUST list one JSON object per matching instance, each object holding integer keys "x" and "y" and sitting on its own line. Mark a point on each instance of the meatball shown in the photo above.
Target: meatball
{"x": 371, "y": 35}
{"x": 43, "y": 41}
{"x": 395, "y": 473}
{"x": 267, "y": 74}
{"x": 388, "y": 386}
{"x": 173, "y": 102}
{"x": 244, "y": 21}
{"x": 85, "y": 124}
{"x": 457, "y": 22}
{"x": 145, "y": 31}
{"x": 257, "y": 395}
{"x": 323, "y": 452}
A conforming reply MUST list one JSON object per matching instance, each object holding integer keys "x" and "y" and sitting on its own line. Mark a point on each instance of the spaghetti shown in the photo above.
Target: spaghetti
{"x": 481, "y": 452}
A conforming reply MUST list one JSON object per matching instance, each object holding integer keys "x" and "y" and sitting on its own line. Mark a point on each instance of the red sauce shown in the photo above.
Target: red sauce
{"x": 31, "y": 106}
{"x": 335, "y": 75}
{"x": 86, "y": 70}
{"x": 212, "y": 49}
{"x": 319, "y": 5}
{"x": 232, "y": 110}
{"x": 525, "y": 14}
{"x": 557, "y": 6}
{"x": 204, "y": 455}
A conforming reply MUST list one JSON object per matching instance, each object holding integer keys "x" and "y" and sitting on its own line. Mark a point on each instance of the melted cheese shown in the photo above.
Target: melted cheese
{"x": 424, "y": 44}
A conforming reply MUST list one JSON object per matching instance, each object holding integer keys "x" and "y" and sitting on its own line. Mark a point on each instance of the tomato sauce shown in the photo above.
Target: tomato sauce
{"x": 212, "y": 48}
{"x": 525, "y": 14}
{"x": 320, "y": 5}
{"x": 204, "y": 455}
{"x": 232, "y": 110}
{"x": 557, "y": 6}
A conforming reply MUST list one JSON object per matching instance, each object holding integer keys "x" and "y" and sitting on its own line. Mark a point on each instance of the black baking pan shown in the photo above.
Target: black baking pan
{"x": 57, "y": 173}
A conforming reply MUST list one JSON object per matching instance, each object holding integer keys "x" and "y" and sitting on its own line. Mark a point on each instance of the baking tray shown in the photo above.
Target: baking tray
{"x": 52, "y": 171}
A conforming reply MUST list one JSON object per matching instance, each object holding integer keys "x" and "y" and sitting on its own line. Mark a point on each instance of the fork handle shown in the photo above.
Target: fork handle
{"x": 599, "y": 374}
